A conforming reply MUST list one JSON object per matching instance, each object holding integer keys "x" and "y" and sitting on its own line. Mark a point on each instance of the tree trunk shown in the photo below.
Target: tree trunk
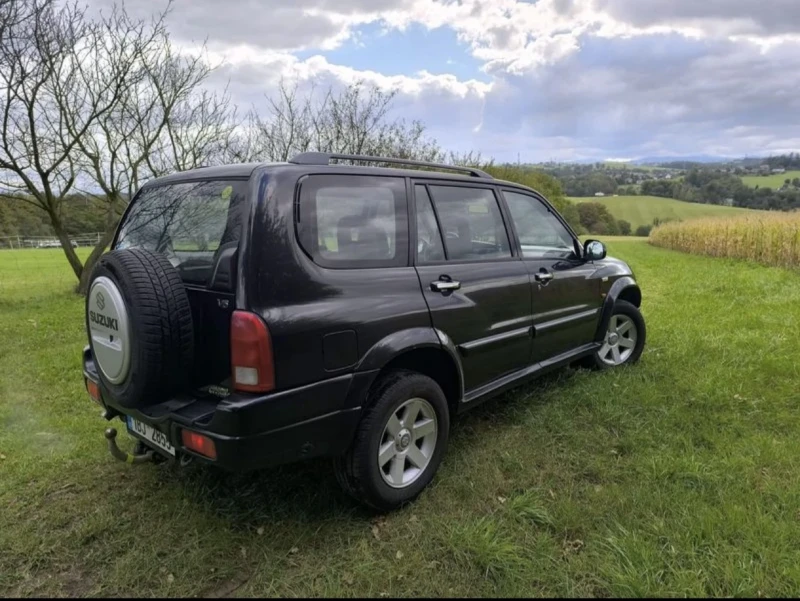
{"x": 94, "y": 256}
{"x": 66, "y": 244}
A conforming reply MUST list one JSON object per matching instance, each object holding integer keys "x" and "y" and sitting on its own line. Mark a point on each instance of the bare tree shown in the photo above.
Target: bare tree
{"x": 10, "y": 14}
{"x": 354, "y": 120}
{"x": 52, "y": 56}
{"x": 164, "y": 123}
{"x": 98, "y": 105}
{"x": 40, "y": 45}
{"x": 469, "y": 159}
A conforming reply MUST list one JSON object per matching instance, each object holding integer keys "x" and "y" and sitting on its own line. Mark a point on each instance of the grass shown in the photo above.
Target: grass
{"x": 676, "y": 477}
{"x": 641, "y": 210}
{"x": 767, "y": 238}
{"x": 773, "y": 181}
{"x": 36, "y": 272}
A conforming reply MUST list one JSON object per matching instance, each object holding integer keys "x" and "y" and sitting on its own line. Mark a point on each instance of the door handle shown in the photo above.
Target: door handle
{"x": 445, "y": 285}
{"x": 543, "y": 277}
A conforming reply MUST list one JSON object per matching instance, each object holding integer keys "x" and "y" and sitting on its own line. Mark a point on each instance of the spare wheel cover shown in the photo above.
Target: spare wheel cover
{"x": 109, "y": 329}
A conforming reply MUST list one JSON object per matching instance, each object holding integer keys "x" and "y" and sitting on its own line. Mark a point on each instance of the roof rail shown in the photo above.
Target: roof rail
{"x": 324, "y": 158}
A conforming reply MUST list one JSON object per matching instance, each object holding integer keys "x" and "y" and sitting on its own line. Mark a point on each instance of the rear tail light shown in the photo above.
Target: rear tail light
{"x": 252, "y": 365}
{"x": 199, "y": 444}
{"x": 94, "y": 390}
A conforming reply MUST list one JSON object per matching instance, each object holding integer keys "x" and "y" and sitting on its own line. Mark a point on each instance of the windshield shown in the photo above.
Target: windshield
{"x": 188, "y": 222}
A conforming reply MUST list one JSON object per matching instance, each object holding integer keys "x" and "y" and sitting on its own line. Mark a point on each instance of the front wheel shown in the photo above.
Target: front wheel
{"x": 624, "y": 339}
{"x": 399, "y": 443}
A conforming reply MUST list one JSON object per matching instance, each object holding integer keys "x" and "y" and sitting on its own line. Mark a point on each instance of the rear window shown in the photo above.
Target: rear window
{"x": 188, "y": 222}
{"x": 354, "y": 221}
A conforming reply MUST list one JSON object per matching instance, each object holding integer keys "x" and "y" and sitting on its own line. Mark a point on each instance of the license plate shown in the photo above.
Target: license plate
{"x": 150, "y": 434}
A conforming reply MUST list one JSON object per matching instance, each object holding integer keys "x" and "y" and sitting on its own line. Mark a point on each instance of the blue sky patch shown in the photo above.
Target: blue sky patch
{"x": 394, "y": 52}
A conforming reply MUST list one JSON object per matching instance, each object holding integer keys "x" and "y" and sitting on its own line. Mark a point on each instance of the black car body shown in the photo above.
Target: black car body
{"x": 357, "y": 272}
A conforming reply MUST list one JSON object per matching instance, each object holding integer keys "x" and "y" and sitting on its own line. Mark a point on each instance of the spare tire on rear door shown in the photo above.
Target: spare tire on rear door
{"x": 139, "y": 323}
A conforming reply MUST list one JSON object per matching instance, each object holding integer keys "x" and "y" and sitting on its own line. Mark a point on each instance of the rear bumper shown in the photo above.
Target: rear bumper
{"x": 256, "y": 431}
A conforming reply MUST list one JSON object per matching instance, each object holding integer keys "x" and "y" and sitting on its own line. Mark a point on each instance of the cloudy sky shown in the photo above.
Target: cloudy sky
{"x": 548, "y": 79}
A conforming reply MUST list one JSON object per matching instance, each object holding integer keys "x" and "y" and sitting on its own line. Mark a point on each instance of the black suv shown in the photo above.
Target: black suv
{"x": 256, "y": 314}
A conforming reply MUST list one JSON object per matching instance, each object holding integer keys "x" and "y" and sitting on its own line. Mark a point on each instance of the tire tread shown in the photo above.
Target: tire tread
{"x": 351, "y": 468}
{"x": 160, "y": 320}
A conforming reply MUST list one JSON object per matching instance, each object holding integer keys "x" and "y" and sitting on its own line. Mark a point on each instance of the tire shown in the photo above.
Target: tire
{"x": 624, "y": 313}
{"x": 139, "y": 297}
{"x": 359, "y": 471}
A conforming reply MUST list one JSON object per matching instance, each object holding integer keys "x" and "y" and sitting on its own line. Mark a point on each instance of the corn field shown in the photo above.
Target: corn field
{"x": 767, "y": 238}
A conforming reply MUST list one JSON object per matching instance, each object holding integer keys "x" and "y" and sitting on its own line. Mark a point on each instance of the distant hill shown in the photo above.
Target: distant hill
{"x": 642, "y": 210}
{"x": 688, "y": 161}
{"x": 705, "y": 159}
{"x": 697, "y": 158}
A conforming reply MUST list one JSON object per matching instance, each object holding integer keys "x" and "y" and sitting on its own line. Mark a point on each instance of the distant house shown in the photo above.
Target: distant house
{"x": 599, "y": 194}
{"x": 728, "y": 202}
{"x": 764, "y": 168}
{"x": 779, "y": 170}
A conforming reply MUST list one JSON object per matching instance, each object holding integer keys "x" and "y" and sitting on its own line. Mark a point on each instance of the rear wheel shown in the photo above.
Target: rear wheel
{"x": 399, "y": 443}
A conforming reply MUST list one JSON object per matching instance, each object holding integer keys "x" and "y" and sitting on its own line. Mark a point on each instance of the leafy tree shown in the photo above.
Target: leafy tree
{"x": 547, "y": 185}
{"x": 596, "y": 219}
{"x": 660, "y": 187}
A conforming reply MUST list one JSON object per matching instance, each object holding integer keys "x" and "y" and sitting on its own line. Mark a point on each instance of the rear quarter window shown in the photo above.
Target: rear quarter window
{"x": 189, "y": 222}
{"x": 351, "y": 221}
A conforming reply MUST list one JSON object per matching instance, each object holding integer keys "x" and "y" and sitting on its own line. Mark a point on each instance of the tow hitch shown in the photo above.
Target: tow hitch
{"x": 117, "y": 453}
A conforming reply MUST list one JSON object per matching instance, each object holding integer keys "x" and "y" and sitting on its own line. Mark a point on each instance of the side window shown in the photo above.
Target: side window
{"x": 353, "y": 221}
{"x": 429, "y": 238}
{"x": 471, "y": 222}
{"x": 540, "y": 232}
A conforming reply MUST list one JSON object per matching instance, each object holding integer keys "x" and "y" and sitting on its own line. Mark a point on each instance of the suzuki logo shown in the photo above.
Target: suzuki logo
{"x": 111, "y": 323}
{"x": 101, "y": 301}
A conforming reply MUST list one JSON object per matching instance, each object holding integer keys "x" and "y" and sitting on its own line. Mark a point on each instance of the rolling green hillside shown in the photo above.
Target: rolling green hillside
{"x": 769, "y": 181}
{"x": 675, "y": 477}
{"x": 641, "y": 210}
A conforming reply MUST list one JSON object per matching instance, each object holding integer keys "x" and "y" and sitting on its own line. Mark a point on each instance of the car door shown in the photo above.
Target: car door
{"x": 565, "y": 295}
{"x": 478, "y": 291}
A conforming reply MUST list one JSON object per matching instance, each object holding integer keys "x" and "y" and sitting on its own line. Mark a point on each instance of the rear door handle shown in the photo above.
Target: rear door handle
{"x": 445, "y": 286}
{"x": 543, "y": 277}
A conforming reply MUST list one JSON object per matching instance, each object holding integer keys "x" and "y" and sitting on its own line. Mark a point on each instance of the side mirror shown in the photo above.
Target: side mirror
{"x": 594, "y": 250}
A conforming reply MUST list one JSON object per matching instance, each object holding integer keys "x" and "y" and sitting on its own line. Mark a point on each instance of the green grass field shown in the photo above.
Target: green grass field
{"x": 769, "y": 181}
{"x": 641, "y": 210}
{"x": 678, "y": 476}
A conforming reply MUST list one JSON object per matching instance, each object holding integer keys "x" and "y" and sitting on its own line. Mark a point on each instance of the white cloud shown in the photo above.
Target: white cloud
{"x": 508, "y": 35}
{"x": 570, "y": 79}
{"x": 273, "y": 66}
